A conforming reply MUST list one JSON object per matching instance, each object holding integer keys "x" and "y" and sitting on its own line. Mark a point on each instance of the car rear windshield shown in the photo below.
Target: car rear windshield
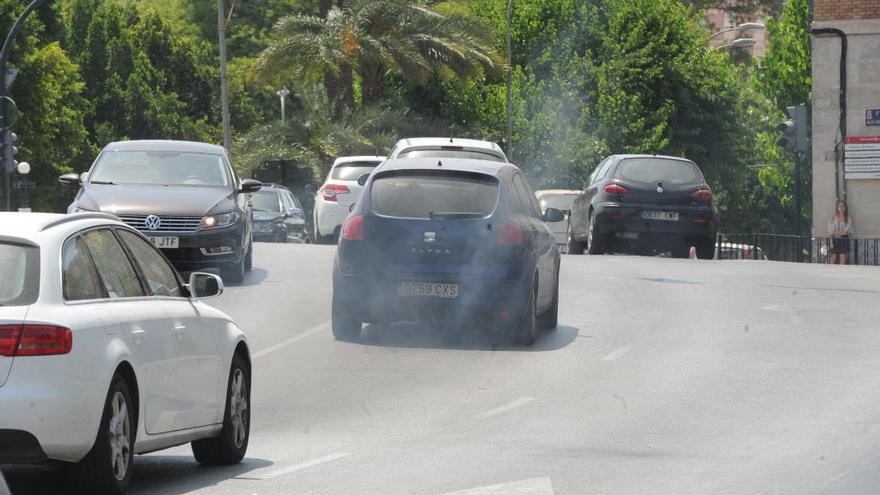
{"x": 448, "y": 195}
{"x": 450, "y": 152}
{"x": 352, "y": 170}
{"x": 160, "y": 168}
{"x": 266, "y": 201}
{"x": 559, "y": 201}
{"x": 657, "y": 170}
{"x": 20, "y": 272}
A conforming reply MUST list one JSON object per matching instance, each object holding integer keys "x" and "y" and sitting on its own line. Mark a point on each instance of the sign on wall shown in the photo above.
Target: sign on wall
{"x": 862, "y": 155}
{"x": 872, "y": 117}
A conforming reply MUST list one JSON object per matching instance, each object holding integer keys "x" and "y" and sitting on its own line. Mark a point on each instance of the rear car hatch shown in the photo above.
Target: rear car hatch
{"x": 11, "y": 318}
{"x": 20, "y": 273}
{"x": 344, "y": 180}
{"x": 655, "y": 181}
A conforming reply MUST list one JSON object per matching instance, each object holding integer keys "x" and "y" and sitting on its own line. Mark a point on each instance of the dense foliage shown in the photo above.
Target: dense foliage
{"x": 589, "y": 79}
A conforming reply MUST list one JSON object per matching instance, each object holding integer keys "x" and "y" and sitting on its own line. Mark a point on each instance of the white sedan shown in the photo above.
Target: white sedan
{"x": 104, "y": 353}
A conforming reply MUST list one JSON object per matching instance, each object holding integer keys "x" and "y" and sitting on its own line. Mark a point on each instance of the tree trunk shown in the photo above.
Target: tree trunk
{"x": 374, "y": 83}
{"x": 340, "y": 87}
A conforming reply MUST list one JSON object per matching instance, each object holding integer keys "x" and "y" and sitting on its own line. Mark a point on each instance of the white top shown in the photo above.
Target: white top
{"x": 837, "y": 225}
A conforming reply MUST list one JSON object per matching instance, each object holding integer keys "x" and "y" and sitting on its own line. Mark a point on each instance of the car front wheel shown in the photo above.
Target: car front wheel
{"x": 343, "y": 325}
{"x": 107, "y": 467}
{"x": 230, "y": 446}
{"x": 526, "y": 332}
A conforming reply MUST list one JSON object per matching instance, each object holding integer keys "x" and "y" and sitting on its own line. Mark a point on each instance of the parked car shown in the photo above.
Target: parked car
{"x": 184, "y": 196}
{"x": 644, "y": 200}
{"x": 733, "y": 251}
{"x": 561, "y": 199}
{"x": 105, "y": 353}
{"x": 341, "y": 190}
{"x": 461, "y": 238}
{"x": 278, "y": 216}
{"x": 435, "y": 147}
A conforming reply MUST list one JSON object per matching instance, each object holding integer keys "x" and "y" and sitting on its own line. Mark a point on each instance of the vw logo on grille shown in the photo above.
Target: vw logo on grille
{"x": 153, "y": 222}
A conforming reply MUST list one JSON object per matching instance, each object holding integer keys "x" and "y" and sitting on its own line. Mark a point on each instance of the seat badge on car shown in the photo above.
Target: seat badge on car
{"x": 152, "y": 222}
{"x": 430, "y": 237}
{"x": 660, "y": 188}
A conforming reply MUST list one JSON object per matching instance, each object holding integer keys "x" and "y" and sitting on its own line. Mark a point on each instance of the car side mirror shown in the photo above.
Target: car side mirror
{"x": 204, "y": 285}
{"x": 363, "y": 179}
{"x": 311, "y": 188}
{"x": 71, "y": 180}
{"x": 250, "y": 186}
{"x": 553, "y": 215}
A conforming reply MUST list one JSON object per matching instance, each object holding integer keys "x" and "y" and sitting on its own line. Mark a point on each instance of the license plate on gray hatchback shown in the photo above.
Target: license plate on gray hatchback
{"x": 666, "y": 216}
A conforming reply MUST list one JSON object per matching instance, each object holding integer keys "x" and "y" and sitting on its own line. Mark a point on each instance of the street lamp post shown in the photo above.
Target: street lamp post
{"x": 224, "y": 78}
{"x": 746, "y": 26}
{"x": 737, "y": 43}
{"x": 509, "y": 97}
{"x": 24, "y": 168}
{"x": 282, "y": 94}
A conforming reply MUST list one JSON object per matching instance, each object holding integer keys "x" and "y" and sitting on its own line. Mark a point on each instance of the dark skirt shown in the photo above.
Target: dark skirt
{"x": 840, "y": 245}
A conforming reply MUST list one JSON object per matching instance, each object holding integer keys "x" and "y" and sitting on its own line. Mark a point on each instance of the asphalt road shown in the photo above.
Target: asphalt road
{"x": 665, "y": 376}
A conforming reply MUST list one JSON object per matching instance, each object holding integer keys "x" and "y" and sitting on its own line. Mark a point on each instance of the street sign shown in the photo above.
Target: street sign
{"x": 862, "y": 175}
{"x": 872, "y": 117}
{"x": 862, "y": 156}
{"x": 9, "y": 114}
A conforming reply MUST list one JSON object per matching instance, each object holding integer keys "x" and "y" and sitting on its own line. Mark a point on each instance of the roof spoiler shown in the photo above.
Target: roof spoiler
{"x": 79, "y": 216}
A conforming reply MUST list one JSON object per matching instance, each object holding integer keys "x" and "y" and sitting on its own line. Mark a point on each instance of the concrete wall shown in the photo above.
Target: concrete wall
{"x": 863, "y": 92}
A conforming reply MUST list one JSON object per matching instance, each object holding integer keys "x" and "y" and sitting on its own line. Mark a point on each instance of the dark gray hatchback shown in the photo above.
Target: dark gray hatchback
{"x": 183, "y": 196}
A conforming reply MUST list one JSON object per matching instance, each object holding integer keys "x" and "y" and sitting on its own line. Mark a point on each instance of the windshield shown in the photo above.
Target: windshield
{"x": 20, "y": 273}
{"x": 559, "y": 201}
{"x": 450, "y": 152}
{"x": 352, "y": 170}
{"x": 161, "y": 168}
{"x": 658, "y": 170}
{"x": 432, "y": 196}
{"x": 266, "y": 201}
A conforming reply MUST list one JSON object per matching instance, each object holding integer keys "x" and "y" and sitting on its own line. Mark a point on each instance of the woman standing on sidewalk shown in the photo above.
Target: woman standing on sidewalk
{"x": 839, "y": 229}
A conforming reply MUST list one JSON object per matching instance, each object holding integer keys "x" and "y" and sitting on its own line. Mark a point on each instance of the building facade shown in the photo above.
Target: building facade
{"x": 846, "y": 138}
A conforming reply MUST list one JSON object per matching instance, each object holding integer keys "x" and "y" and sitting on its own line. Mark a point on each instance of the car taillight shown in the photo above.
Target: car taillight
{"x": 330, "y": 191}
{"x": 702, "y": 194}
{"x": 353, "y": 229}
{"x": 34, "y": 340}
{"x": 510, "y": 235}
{"x": 615, "y": 189}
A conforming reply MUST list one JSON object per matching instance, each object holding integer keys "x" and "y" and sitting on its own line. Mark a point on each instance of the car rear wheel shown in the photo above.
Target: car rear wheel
{"x": 706, "y": 249}
{"x": 574, "y": 246}
{"x": 230, "y": 446}
{"x": 594, "y": 238}
{"x": 343, "y": 325}
{"x": 550, "y": 319}
{"x": 526, "y": 332}
{"x": 107, "y": 467}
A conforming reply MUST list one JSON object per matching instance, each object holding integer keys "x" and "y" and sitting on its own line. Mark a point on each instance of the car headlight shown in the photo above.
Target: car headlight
{"x": 221, "y": 220}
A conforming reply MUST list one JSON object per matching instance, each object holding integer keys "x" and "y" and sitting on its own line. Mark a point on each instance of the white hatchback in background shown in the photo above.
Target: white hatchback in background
{"x": 104, "y": 353}
{"x": 339, "y": 192}
{"x": 434, "y": 147}
{"x": 561, "y": 199}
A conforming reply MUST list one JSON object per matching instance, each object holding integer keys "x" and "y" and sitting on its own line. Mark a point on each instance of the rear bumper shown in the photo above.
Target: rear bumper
{"x": 625, "y": 222}
{"x": 190, "y": 255}
{"x": 329, "y": 216}
{"x": 374, "y": 299}
{"x": 18, "y": 446}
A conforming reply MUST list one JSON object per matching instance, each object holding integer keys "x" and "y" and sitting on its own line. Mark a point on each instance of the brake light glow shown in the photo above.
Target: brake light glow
{"x": 510, "y": 235}
{"x": 615, "y": 189}
{"x": 330, "y": 191}
{"x": 353, "y": 229}
{"x": 702, "y": 194}
{"x": 34, "y": 340}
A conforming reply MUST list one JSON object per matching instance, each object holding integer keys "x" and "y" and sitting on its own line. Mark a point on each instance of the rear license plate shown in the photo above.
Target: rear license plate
{"x": 667, "y": 216}
{"x": 165, "y": 242}
{"x": 428, "y": 289}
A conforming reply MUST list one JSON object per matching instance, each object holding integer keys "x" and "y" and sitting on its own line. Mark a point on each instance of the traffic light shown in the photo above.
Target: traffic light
{"x": 9, "y": 150}
{"x": 795, "y": 134}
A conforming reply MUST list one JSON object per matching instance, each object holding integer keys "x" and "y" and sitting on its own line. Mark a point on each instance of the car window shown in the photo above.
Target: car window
{"x": 422, "y": 195}
{"x": 528, "y": 203}
{"x": 655, "y": 170}
{"x": 114, "y": 268}
{"x": 352, "y": 170}
{"x": 266, "y": 201}
{"x": 160, "y": 277}
{"x": 450, "y": 152}
{"x": 161, "y": 168}
{"x": 601, "y": 171}
{"x": 20, "y": 272}
{"x": 286, "y": 200}
{"x": 559, "y": 201}
{"x": 295, "y": 201}
{"x": 78, "y": 277}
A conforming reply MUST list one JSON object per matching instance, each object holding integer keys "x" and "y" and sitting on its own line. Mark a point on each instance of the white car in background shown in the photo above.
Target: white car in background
{"x": 434, "y": 147}
{"x": 104, "y": 353}
{"x": 561, "y": 199}
{"x": 341, "y": 190}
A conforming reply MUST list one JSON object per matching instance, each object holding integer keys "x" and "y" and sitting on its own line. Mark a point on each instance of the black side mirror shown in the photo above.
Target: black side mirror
{"x": 250, "y": 186}
{"x": 363, "y": 179}
{"x": 311, "y": 188}
{"x": 553, "y": 215}
{"x": 204, "y": 285}
{"x": 70, "y": 180}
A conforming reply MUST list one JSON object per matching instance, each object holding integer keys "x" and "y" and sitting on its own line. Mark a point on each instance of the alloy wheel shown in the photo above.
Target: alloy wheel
{"x": 119, "y": 434}
{"x": 238, "y": 408}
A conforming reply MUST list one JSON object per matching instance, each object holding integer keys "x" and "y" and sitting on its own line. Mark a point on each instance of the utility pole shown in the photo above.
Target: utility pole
{"x": 282, "y": 94}
{"x": 224, "y": 78}
{"x": 509, "y": 83}
{"x": 797, "y": 193}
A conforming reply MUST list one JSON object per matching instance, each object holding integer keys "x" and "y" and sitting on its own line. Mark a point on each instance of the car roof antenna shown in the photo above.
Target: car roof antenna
{"x": 439, "y": 163}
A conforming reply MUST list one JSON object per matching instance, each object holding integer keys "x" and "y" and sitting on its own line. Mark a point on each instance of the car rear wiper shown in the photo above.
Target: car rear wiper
{"x": 454, "y": 214}
{"x": 105, "y": 182}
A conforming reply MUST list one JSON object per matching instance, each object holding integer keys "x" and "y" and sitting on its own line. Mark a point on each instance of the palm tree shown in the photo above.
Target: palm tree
{"x": 377, "y": 38}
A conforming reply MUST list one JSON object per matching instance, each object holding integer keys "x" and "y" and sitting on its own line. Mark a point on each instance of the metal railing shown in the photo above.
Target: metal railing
{"x": 792, "y": 248}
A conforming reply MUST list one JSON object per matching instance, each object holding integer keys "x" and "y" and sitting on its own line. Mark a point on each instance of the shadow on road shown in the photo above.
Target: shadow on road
{"x": 468, "y": 338}
{"x": 170, "y": 475}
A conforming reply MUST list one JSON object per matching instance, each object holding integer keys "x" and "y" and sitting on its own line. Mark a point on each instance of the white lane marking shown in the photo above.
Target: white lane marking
{"x": 506, "y": 407}
{"x": 303, "y": 465}
{"x": 308, "y": 333}
{"x": 620, "y": 351}
{"x": 534, "y": 486}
